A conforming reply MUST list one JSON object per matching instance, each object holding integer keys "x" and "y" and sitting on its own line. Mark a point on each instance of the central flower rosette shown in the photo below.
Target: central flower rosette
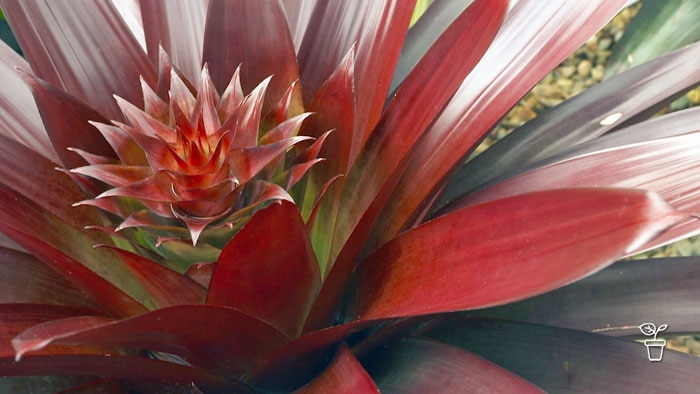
{"x": 194, "y": 164}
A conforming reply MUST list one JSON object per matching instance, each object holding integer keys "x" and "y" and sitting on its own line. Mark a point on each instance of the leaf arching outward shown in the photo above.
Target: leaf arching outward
{"x": 616, "y": 300}
{"x": 667, "y": 166}
{"x": 124, "y": 368}
{"x": 456, "y": 262}
{"x": 229, "y": 344}
{"x": 66, "y": 121}
{"x": 344, "y": 375}
{"x": 86, "y": 50}
{"x": 561, "y": 360}
{"x": 513, "y": 64}
{"x": 579, "y": 119}
{"x": 276, "y": 283}
{"x": 417, "y": 365}
{"x": 409, "y": 113}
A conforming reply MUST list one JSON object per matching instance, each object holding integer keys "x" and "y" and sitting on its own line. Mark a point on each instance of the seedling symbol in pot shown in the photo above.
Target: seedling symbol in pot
{"x": 655, "y": 347}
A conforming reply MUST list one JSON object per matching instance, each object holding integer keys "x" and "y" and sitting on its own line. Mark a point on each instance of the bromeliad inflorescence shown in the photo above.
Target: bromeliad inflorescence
{"x": 193, "y": 165}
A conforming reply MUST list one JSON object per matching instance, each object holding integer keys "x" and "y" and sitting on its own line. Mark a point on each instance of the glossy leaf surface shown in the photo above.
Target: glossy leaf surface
{"x": 178, "y": 27}
{"x": 66, "y": 122}
{"x": 276, "y": 283}
{"x": 231, "y": 343}
{"x": 456, "y": 262}
{"x": 405, "y": 119}
{"x": 581, "y": 118}
{"x": 376, "y": 28}
{"x": 416, "y": 365}
{"x": 667, "y": 166}
{"x": 87, "y": 51}
{"x": 513, "y": 64}
{"x": 19, "y": 117}
{"x": 139, "y": 369}
{"x": 657, "y": 28}
{"x": 254, "y": 35}
{"x": 561, "y": 360}
{"x": 344, "y": 375}
{"x": 616, "y": 300}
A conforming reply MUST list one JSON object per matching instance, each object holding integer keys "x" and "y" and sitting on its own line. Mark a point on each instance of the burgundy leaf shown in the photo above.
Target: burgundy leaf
{"x": 410, "y": 112}
{"x": 535, "y": 37}
{"x": 615, "y": 300}
{"x": 344, "y": 375}
{"x": 66, "y": 121}
{"x": 561, "y": 360}
{"x": 222, "y": 340}
{"x": 276, "y": 283}
{"x": 139, "y": 369}
{"x": 581, "y": 118}
{"x": 415, "y": 365}
{"x": 33, "y": 176}
{"x": 254, "y": 35}
{"x": 27, "y": 280}
{"x": 15, "y": 318}
{"x": 309, "y": 354}
{"x": 552, "y": 238}
{"x": 88, "y": 51}
{"x": 377, "y": 28}
{"x": 19, "y": 117}
{"x": 667, "y": 166}
{"x": 423, "y": 34}
{"x": 178, "y": 27}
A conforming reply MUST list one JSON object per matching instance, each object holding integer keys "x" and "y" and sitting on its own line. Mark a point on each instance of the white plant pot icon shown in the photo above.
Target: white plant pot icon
{"x": 655, "y": 349}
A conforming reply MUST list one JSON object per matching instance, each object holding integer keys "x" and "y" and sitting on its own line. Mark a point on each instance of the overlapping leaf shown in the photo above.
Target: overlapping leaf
{"x": 561, "y": 360}
{"x": 416, "y": 365}
{"x": 616, "y": 300}
{"x": 90, "y": 58}
{"x": 457, "y": 262}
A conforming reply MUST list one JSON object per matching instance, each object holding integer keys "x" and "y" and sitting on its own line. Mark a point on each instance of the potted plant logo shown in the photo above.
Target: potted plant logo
{"x": 655, "y": 347}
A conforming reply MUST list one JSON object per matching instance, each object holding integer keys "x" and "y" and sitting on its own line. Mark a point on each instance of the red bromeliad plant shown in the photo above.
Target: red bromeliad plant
{"x": 270, "y": 195}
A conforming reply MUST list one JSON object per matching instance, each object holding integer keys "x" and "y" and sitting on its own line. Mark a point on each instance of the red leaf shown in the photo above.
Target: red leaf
{"x": 410, "y": 112}
{"x": 88, "y": 51}
{"x": 415, "y": 365}
{"x": 178, "y": 27}
{"x": 15, "y": 318}
{"x": 254, "y": 35}
{"x": 34, "y": 177}
{"x": 66, "y": 121}
{"x": 667, "y": 166}
{"x": 344, "y": 375}
{"x": 222, "y": 340}
{"x": 269, "y": 270}
{"x": 506, "y": 250}
{"x": 128, "y": 368}
{"x": 377, "y": 28}
{"x": 535, "y": 37}
{"x": 27, "y": 280}
{"x": 19, "y": 117}
{"x": 298, "y": 15}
